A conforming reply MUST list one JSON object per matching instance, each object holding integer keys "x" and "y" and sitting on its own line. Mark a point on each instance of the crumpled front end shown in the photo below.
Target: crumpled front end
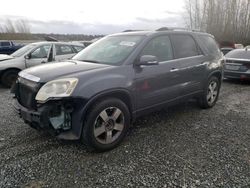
{"x": 61, "y": 116}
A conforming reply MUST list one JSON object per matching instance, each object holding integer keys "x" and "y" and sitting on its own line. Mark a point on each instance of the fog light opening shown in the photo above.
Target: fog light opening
{"x": 61, "y": 121}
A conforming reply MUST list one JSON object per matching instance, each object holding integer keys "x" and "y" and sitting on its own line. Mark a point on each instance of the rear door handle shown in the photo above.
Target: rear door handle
{"x": 174, "y": 70}
{"x": 204, "y": 63}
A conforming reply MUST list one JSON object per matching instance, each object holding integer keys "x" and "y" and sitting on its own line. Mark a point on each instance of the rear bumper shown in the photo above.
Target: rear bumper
{"x": 41, "y": 118}
{"x": 237, "y": 75}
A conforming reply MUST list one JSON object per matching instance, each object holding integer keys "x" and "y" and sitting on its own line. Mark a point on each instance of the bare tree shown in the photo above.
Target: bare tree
{"x": 225, "y": 19}
{"x": 9, "y": 26}
{"x": 18, "y": 26}
{"x": 22, "y": 26}
{"x": 1, "y": 29}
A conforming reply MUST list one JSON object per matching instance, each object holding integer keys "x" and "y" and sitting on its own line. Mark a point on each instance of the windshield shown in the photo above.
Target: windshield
{"x": 239, "y": 54}
{"x": 111, "y": 50}
{"x": 23, "y": 50}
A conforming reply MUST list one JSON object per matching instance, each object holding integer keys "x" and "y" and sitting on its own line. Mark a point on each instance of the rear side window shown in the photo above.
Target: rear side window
{"x": 159, "y": 47}
{"x": 5, "y": 43}
{"x": 78, "y": 48}
{"x": 184, "y": 46}
{"x": 63, "y": 50}
{"x": 210, "y": 45}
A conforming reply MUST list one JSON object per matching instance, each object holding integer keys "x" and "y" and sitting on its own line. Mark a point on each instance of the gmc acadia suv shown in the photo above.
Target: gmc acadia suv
{"x": 96, "y": 95}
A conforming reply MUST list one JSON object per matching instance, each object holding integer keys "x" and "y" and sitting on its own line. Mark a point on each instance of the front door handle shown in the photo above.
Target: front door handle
{"x": 174, "y": 70}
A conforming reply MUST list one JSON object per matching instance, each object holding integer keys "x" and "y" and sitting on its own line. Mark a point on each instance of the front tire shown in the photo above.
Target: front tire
{"x": 106, "y": 124}
{"x": 211, "y": 93}
{"x": 9, "y": 77}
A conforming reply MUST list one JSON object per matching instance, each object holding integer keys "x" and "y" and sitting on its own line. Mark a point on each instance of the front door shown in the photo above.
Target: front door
{"x": 39, "y": 56}
{"x": 157, "y": 84}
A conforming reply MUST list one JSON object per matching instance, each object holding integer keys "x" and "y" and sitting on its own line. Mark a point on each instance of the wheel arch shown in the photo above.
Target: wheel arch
{"x": 217, "y": 74}
{"x": 8, "y": 69}
{"x": 120, "y": 94}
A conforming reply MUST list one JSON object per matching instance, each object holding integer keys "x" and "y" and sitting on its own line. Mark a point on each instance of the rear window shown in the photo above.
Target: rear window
{"x": 184, "y": 46}
{"x": 239, "y": 54}
{"x": 210, "y": 45}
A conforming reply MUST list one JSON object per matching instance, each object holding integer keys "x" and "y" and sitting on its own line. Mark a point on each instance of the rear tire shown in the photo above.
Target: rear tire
{"x": 106, "y": 125}
{"x": 211, "y": 93}
{"x": 9, "y": 77}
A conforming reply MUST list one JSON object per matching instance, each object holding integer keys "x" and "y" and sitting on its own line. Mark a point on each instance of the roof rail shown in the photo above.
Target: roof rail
{"x": 177, "y": 29}
{"x": 131, "y": 30}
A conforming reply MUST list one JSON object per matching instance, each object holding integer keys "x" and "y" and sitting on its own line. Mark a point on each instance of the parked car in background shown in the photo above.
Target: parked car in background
{"x": 34, "y": 54}
{"x": 239, "y": 46}
{"x": 98, "y": 93}
{"x": 248, "y": 47}
{"x": 8, "y": 47}
{"x": 237, "y": 64}
{"x": 226, "y": 44}
{"x": 226, "y": 50}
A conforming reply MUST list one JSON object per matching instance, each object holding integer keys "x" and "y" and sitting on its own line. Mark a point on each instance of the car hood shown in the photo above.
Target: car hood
{"x": 5, "y": 57}
{"x": 51, "y": 71}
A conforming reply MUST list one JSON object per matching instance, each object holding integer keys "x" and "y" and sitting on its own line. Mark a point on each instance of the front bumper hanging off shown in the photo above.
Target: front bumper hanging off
{"x": 60, "y": 118}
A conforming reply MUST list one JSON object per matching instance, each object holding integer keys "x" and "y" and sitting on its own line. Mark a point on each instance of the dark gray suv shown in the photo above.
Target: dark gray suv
{"x": 96, "y": 95}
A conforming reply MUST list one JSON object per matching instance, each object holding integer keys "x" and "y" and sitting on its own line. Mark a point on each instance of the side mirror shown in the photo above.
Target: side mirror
{"x": 148, "y": 60}
{"x": 28, "y": 56}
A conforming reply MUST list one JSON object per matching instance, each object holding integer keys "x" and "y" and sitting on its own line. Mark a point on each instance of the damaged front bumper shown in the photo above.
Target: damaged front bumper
{"x": 62, "y": 118}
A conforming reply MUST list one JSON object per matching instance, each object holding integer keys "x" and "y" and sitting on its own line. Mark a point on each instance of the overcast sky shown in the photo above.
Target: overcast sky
{"x": 93, "y": 16}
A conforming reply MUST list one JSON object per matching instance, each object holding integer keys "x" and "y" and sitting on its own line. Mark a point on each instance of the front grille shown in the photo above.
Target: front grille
{"x": 27, "y": 91}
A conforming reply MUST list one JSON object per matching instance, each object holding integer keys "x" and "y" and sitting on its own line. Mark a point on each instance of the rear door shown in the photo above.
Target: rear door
{"x": 63, "y": 52}
{"x": 157, "y": 84}
{"x": 192, "y": 63}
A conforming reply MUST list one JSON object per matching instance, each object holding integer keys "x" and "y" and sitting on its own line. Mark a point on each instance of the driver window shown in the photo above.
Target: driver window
{"x": 40, "y": 52}
{"x": 159, "y": 47}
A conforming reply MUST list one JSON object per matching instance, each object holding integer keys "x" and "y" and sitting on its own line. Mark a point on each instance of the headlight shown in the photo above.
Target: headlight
{"x": 57, "y": 88}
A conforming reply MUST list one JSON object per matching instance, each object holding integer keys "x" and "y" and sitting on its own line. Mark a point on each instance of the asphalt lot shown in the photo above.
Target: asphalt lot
{"x": 182, "y": 146}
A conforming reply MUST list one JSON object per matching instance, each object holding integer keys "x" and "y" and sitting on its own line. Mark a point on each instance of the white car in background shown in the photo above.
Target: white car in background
{"x": 239, "y": 46}
{"x": 34, "y": 54}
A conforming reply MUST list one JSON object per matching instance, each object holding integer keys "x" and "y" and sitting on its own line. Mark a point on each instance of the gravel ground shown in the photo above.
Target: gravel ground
{"x": 182, "y": 146}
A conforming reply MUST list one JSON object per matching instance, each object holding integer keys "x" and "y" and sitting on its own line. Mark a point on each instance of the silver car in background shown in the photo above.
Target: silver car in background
{"x": 34, "y": 54}
{"x": 237, "y": 64}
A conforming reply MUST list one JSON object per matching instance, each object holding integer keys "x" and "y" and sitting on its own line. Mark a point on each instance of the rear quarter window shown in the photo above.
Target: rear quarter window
{"x": 184, "y": 46}
{"x": 210, "y": 45}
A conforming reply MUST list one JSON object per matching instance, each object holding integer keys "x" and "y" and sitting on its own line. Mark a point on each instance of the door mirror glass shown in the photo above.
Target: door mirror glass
{"x": 148, "y": 60}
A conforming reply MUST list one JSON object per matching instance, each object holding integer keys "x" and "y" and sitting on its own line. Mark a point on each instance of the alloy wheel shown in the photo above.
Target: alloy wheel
{"x": 109, "y": 125}
{"x": 212, "y": 92}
